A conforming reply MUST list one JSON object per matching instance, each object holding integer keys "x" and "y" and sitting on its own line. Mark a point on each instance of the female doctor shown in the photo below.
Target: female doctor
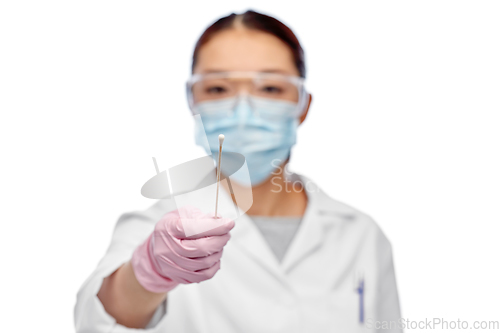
{"x": 298, "y": 261}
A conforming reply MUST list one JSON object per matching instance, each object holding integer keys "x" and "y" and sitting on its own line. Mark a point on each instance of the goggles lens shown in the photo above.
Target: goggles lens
{"x": 224, "y": 86}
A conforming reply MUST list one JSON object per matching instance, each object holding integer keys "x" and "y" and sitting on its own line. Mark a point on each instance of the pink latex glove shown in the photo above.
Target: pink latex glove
{"x": 168, "y": 257}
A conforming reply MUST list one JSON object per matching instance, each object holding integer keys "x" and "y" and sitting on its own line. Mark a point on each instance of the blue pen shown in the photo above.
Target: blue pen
{"x": 361, "y": 292}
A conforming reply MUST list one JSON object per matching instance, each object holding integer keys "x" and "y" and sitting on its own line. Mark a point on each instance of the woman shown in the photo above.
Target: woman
{"x": 298, "y": 261}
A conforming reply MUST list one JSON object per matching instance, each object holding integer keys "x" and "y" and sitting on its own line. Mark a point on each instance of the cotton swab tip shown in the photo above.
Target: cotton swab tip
{"x": 221, "y": 139}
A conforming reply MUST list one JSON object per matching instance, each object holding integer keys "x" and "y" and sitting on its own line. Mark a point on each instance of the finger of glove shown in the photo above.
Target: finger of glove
{"x": 196, "y": 248}
{"x": 194, "y": 264}
{"x": 181, "y": 275}
{"x": 166, "y": 267}
{"x": 204, "y": 274}
{"x": 176, "y": 226}
{"x": 223, "y": 226}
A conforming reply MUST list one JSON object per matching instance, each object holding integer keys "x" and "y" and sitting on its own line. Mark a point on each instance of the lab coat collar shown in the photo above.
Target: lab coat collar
{"x": 322, "y": 213}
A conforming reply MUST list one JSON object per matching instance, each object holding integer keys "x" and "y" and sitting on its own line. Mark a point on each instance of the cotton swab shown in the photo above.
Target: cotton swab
{"x": 221, "y": 140}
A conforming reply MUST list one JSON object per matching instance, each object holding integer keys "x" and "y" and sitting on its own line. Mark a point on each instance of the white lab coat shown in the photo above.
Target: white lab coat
{"x": 312, "y": 290}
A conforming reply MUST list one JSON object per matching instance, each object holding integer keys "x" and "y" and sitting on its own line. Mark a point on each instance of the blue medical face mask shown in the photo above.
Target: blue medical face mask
{"x": 263, "y": 130}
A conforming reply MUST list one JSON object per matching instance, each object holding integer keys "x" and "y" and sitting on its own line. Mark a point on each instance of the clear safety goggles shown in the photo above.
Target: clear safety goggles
{"x": 230, "y": 87}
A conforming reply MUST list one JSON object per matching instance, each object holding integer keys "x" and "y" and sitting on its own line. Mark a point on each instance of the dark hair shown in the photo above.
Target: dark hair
{"x": 257, "y": 21}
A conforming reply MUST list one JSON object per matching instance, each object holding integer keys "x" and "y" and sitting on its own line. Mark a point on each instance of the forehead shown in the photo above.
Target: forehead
{"x": 245, "y": 50}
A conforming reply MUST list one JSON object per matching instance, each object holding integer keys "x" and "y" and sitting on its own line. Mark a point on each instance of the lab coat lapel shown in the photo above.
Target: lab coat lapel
{"x": 310, "y": 234}
{"x": 251, "y": 241}
{"x": 248, "y": 238}
{"x": 321, "y": 215}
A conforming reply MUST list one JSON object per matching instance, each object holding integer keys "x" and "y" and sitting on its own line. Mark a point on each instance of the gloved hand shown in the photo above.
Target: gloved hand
{"x": 168, "y": 257}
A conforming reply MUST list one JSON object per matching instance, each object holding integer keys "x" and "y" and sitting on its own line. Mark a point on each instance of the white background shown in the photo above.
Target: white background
{"x": 404, "y": 126}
